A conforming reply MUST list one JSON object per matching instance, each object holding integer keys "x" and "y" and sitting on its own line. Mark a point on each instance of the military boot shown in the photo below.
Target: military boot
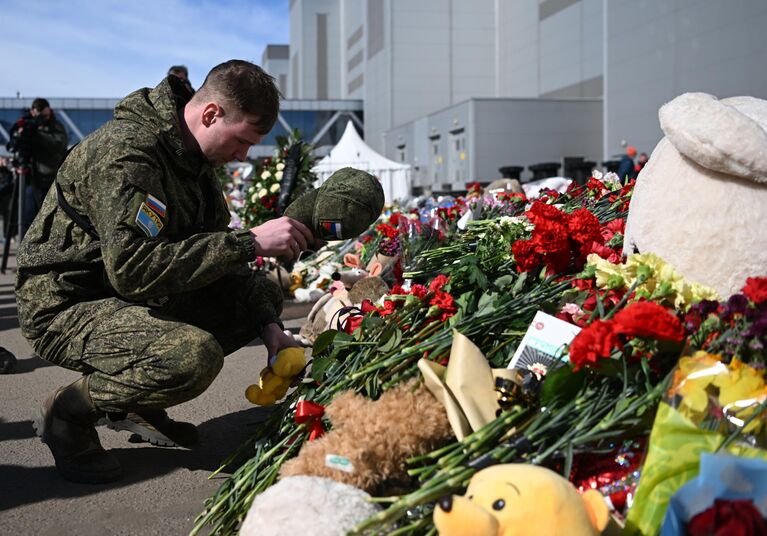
{"x": 154, "y": 426}
{"x": 66, "y": 424}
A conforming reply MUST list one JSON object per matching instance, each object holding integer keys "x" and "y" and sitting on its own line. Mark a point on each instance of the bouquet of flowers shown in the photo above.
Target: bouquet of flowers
{"x": 261, "y": 199}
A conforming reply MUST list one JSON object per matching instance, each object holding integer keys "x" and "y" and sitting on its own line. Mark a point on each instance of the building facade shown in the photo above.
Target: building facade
{"x": 276, "y": 61}
{"x": 408, "y": 61}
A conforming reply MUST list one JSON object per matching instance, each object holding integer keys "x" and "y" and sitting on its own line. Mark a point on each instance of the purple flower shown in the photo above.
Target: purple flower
{"x": 706, "y": 307}
{"x": 737, "y": 304}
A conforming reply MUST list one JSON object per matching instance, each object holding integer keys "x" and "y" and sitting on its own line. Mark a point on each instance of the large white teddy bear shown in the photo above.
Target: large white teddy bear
{"x": 700, "y": 203}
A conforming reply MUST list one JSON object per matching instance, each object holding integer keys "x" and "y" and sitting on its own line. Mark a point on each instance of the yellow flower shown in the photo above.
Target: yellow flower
{"x": 604, "y": 269}
{"x": 742, "y": 383}
{"x": 740, "y": 392}
{"x": 702, "y": 292}
{"x": 691, "y": 380}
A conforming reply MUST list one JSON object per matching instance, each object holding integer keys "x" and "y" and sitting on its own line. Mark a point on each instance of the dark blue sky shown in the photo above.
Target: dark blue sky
{"x": 108, "y": 48}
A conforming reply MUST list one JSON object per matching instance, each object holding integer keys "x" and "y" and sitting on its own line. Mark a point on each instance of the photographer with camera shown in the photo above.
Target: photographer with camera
{"x": 39, "y": 143}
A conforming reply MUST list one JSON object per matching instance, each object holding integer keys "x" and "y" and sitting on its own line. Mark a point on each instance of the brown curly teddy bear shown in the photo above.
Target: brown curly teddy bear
{"x": 371, "y": 440}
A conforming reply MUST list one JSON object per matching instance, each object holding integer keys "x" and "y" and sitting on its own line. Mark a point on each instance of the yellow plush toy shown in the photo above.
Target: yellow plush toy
{"x": 275, "y": 379}
{"x": 519, "y": 500}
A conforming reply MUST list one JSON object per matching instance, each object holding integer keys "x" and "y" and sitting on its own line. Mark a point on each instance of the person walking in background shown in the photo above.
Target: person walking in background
{"x": 626, "y": 167}
{"x": 641, "y": 163}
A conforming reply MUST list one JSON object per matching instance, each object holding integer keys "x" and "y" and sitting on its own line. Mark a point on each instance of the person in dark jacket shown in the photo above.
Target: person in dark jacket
{"x": 47, "y": 146}
{"x": 133, "y": 278}
{"x": 626, "y": 166}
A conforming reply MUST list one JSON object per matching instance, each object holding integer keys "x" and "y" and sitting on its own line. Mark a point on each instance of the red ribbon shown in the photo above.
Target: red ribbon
{"x": 310, "y": 413}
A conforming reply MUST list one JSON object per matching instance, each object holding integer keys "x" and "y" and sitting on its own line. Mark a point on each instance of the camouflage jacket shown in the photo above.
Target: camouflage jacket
{"x": 157, "y": 207}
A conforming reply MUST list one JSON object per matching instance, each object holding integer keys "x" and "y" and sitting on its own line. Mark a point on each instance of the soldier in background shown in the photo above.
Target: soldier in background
{"x": 132, "y": 276}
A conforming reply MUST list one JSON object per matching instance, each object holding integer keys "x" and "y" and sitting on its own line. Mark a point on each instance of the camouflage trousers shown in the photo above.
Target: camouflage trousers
{"x": 140, "y": 357}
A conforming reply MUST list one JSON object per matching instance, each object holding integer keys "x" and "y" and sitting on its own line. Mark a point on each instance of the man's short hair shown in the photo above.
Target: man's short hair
{"x": 245, "y": 88}
{"x": 40, "y": 104}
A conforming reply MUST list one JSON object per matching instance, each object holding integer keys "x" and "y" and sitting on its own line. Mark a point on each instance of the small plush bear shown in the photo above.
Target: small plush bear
{"x": 370, "y": 440}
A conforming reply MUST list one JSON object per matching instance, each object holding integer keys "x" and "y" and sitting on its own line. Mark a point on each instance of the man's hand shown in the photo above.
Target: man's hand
{"x": 283, "y": 237}
{"x": 275, "y": 339}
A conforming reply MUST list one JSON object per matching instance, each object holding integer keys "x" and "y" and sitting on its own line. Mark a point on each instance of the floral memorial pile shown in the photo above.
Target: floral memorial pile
{"x": 545, "y": 344}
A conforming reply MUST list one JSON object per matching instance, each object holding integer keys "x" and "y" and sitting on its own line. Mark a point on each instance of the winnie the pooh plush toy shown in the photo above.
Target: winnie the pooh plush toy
{"x": 521, "y": 500}
{"x": 701, "y": 200}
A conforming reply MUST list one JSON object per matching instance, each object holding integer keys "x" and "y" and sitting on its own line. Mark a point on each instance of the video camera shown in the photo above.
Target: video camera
{"x": 21, "y": 135}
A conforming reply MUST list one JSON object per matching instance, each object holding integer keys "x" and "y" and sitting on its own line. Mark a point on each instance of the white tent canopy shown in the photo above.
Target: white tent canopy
{"x": 351, "y": 151}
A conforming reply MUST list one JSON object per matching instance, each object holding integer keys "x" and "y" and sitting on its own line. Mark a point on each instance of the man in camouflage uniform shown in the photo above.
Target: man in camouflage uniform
{"x": 131, "y": 275}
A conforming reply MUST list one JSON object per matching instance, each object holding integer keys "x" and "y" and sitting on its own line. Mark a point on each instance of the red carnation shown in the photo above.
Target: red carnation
{"x": 397, "y": 289}
{"x": 607, "y": 253}
{"x": 648, "y": 319}
{"x": 525, "y": 255}
{"x": 419, "y": 291}
{"x": 541, "y": 212}
{"x": 756, "y": 289}
{"x": 438, "y": 282}
{"x": 738, "y": 516}
{"x": 446, "y": 304}
{"x": 389, "y": 306}
{"x": 387, "y": 230}
{"x": 584, "y": 227}
{"x": 596, "y": 341}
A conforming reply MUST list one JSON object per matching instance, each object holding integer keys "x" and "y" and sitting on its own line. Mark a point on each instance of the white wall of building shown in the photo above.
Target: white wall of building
{"x": 471, "y": 140}
{"x": 315, "y": 39}
{"x": 658, "y": 49}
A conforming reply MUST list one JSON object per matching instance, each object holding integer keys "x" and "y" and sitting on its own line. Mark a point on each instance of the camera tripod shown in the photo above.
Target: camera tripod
{"x": 15, "y": 225}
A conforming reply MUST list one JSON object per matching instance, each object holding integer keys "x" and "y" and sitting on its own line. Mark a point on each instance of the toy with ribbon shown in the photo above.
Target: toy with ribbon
{"x": 310, "y": 413}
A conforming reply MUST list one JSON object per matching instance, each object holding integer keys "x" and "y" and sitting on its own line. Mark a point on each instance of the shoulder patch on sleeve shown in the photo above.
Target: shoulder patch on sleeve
{"x": 155, "y": 204}
{"x": 149, "y": 221}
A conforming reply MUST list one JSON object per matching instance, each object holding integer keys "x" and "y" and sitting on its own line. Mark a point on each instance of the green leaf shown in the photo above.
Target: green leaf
{"x": 323, "y": 342}
{"x": 485, "y": 305}
{"x": 393, "y": 342}
{"x": 320, "y": 366}
{"x": 561, "y": 383}
{"x": 519, "y": 284}
{"x": 504, "y": 281}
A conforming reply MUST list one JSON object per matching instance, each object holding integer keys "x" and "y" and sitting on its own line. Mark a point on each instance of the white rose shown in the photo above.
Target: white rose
{"x": 275, "y": 188}
{"x": 266, "y": 174}
{"x": 280, "y": 166}
{"x": 253, "y": 198}
{"x": 259, "y": 186}
{"x": 262, "y": 192}
{"x": 278, "y": 175}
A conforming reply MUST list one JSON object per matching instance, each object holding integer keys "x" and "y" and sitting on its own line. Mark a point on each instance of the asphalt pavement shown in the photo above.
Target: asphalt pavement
{"x": 164, "y": 488}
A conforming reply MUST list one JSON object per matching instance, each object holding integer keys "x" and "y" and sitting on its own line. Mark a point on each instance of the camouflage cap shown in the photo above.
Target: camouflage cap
{"x": 343, "y": 207}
